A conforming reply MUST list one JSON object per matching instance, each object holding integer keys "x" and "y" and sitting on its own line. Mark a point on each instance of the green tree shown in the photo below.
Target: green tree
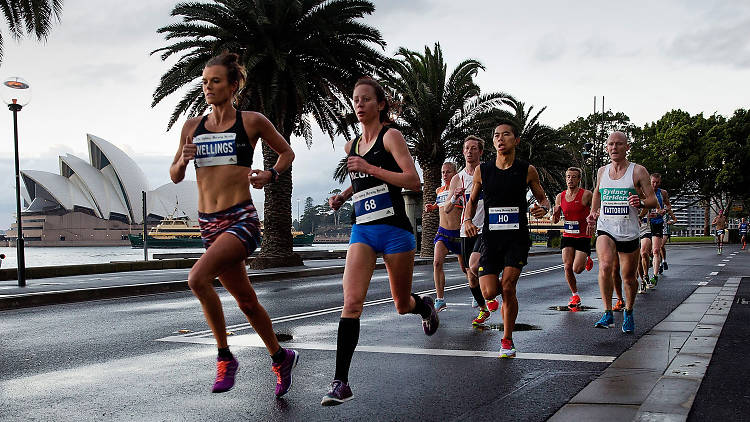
{"x": 29, "y": 17}
{"x": 594, "y": 130}
{"x": 302, "y": 58}
{"x": 437, "y": 111}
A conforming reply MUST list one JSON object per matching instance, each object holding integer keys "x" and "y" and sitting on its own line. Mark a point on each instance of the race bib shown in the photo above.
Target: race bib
{"x": 615, "y": 203}
{"x": 571, "y": 227}
{"x": 503, "y": 218}
{"x": 372, "y": 204}
{"x": 442, "y": 198}
{"x": 215, "y": 149}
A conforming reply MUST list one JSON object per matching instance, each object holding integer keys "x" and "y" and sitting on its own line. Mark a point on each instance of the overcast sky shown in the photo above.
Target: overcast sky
{"x": 95, "y": 75}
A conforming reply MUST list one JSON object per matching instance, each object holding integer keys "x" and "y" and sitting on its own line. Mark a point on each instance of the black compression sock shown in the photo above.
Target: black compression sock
{"x": 477, "y": 293}
{"x": 420, "y": 308}
{"x": 224, "y": 353}
{"x": 279, "y": 356}
{"x": 348, "y": 337}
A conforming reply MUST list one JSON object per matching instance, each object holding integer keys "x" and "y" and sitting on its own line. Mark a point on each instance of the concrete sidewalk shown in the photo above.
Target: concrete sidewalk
{"x": 659, "y": 377}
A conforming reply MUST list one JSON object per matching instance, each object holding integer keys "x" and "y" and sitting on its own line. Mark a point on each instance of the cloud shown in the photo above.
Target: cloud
{"x": 722, "y": 43}
{"x": 550, "y": 47}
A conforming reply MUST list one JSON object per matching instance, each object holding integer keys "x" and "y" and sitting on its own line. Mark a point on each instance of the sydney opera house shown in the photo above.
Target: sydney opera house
{"x": 96, "y": 203}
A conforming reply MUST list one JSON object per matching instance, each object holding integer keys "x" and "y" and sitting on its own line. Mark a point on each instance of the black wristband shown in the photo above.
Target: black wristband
{"x": 274, "y": 174}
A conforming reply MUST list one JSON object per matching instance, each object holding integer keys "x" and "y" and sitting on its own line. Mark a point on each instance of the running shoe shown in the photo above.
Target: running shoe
{"x": 430, "y": 324}
{"x": 474, "y": 303}
{"x": 665, "y": 265}
{"x": 619, "y": 305}
{"x": 575, "y": 301}
{"x": 507, "y": 349}
{"x": 589, "y": 264}
{"x": 482, "y": 317}
{"x": 492, "y": 305}
{"x": 283, "y": 372}
{"x": 650, "y": 285}
{"x": 642, "y": 287}
{"x": 628, "y": 325}
{"x": 661, "y": 268}
{"x": 655, "y": 280}
{"x": 225, "y": 372}
{"x": 338, "y": 393}
{"x": 440, "y": 305}
{"x": 607, "y": 320}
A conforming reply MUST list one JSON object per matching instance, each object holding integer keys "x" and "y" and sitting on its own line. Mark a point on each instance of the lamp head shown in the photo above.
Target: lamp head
{"x": 16, "y": 92}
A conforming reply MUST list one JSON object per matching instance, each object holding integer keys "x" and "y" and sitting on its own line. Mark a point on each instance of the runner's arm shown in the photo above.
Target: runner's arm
{"x": 558, "y": 209}
{"x": 471, "y": 206}
{"x": 642, "y": 183}
{"x": 542, "y": 206}
{"x": 185, "y": 151}
{"x": 453, "y": 201}
{"x": 596, "y": 202}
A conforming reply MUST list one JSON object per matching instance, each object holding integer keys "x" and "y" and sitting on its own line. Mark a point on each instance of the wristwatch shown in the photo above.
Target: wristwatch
{"x": 274, "y": 174}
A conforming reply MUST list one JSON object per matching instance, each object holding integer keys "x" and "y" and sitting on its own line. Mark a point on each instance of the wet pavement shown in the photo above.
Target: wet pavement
{"x": 151, "y": 357}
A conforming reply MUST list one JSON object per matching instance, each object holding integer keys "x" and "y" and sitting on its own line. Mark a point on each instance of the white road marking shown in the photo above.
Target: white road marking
{"x": 714, "y": 273}
{"x": 721, "y": 265}
{"x": 703, "y": 283}
{"x": 337, "y": 309}
{"x": 253, "y": 340}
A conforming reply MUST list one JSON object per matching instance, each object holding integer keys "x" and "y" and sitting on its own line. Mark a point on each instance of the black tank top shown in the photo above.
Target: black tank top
{"x": 375, "y": 201}
{"x": 505, "y": 200}
{"x": 231, "y": 147}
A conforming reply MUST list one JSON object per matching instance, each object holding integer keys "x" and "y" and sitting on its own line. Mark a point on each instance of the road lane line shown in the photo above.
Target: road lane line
{"x": 253, "y": 340}
{"x": 327, "y": 311}
{"x": 713, "y": 273}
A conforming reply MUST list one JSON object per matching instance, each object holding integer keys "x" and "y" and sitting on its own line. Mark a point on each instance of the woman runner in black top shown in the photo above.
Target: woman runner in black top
{"x": 505, "y": 235}
{"x": 229, "y": 222}
{"x": 379, "y": 165}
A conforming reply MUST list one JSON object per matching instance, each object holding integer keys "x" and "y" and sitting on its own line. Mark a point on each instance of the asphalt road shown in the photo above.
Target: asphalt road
{"x": 126, "y": 359}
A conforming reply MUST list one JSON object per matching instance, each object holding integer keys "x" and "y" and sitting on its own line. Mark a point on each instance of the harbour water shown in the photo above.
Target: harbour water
{"x": 54, "y": 256}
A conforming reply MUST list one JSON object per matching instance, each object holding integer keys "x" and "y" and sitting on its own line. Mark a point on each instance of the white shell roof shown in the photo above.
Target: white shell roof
{"x": 126, "y": 176}
{"x": 184, "y": 196}
{"x": 96, "y": 184}
{"x": 62, "y": 190}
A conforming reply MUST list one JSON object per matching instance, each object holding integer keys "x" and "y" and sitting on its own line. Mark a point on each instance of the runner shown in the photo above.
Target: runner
{"x": 657, "y": 224}
{"x": 221, "y": 145}
{"x": 461, "y": 185}
{"x": 619, "y": 185}
{"x": 379, "y": 166}
{"x": 667, "y": 239}
{"x": 505, "y": 238}
{"x": 575, "y": 204}
{"x": 742, "y": 229}
{"x": 447, "y": 238}
{"x": 644, "y": 258}
{"x": 720, "y": 221}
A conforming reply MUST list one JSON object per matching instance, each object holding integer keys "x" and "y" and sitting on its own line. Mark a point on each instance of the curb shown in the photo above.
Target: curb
{"x": 28, "y": 300}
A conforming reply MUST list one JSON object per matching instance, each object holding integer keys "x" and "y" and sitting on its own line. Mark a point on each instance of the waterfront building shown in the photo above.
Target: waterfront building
{"x": 96, "y": 202}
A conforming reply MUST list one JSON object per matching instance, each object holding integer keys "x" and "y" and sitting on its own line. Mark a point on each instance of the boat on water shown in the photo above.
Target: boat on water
{"x": 302, "y": 239}
{"x": 171, "y": 232}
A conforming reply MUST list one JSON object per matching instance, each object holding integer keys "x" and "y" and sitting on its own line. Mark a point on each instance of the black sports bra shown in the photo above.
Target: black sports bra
{"x": 229, "y": 148}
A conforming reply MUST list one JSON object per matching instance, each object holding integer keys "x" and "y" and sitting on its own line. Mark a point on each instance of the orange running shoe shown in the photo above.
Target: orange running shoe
{"x": 575, "y": 301}
{"x": 482, "y": 317}
{"x": 619, "y": 306}
{"x": 589, "y": 263}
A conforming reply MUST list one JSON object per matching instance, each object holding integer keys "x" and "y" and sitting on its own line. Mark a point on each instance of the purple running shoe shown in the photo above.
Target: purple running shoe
{"x": 430, "y": 324}
{"x": 225, "y": 372}
{"x": 337, "y": 394}
{"x": 283, "y": 372}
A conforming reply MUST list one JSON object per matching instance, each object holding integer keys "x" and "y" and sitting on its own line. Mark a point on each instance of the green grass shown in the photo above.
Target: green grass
{"x": 707, "y": 239}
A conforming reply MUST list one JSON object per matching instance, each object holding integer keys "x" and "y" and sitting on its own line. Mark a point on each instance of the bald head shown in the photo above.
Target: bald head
{"x": 619, "y": 136}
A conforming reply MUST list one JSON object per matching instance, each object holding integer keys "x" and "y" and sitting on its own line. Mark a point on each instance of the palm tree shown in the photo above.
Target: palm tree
{"x": 29, "y": 17}
{"x": 302, "y": 58}
{"x": 437, "y": 111}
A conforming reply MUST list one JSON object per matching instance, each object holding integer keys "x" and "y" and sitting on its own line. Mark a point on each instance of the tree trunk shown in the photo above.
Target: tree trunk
{"x": 430, "y": 220}
{"x": 706, "y": 218}
{"x": 276, "y": 248}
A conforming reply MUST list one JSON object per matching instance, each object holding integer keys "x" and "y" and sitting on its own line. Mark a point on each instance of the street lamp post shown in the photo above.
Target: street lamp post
{"x": 16, "y": 93}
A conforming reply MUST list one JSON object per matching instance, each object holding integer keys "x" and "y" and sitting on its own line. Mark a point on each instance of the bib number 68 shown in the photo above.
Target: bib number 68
{"x": 370, "y": 205}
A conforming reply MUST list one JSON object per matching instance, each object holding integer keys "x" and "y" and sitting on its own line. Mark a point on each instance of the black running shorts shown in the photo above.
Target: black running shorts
{"x": 628, "y": 246}
{"x": 582, "y": 244}
{"x": 500, "y": 253}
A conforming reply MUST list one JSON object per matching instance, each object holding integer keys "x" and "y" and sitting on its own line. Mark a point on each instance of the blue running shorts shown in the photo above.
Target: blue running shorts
{"x": 383, "y": 238}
